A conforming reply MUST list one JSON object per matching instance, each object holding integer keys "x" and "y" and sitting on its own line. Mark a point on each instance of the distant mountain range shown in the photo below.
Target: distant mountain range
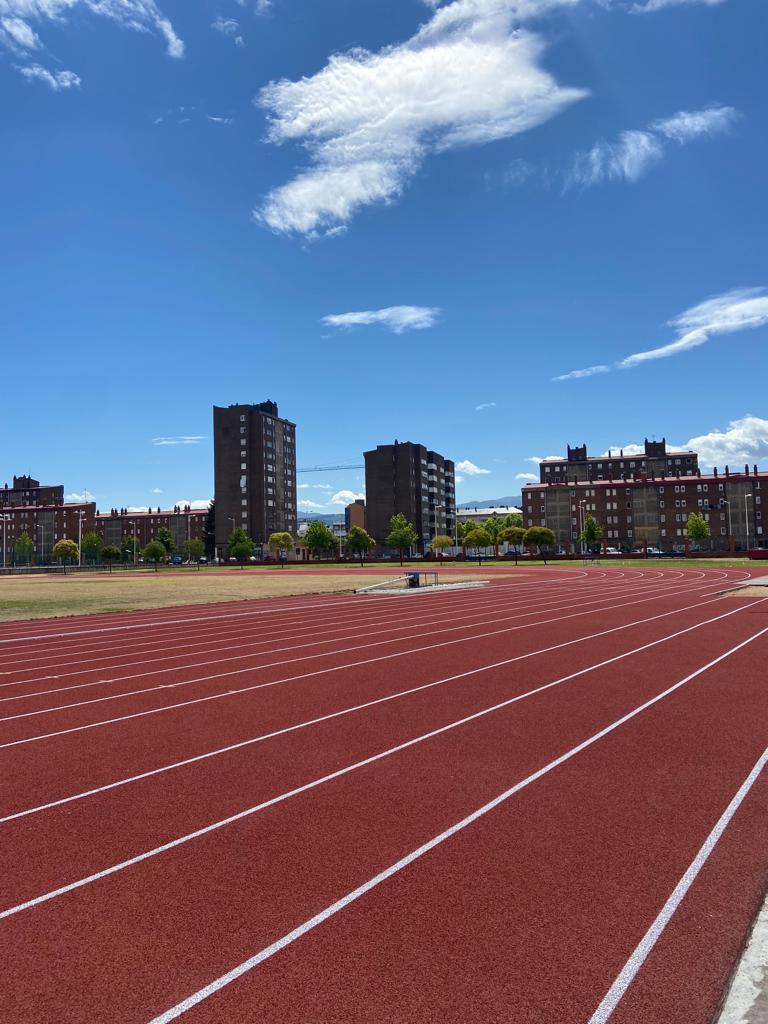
{"x": 329, "y": 518}
{"x": 514, "y": 499}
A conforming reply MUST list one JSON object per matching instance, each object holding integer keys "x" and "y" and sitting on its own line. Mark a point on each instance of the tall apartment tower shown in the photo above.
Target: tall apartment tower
{"x": 254, "y": 454}
{"x": 409, "y": 478}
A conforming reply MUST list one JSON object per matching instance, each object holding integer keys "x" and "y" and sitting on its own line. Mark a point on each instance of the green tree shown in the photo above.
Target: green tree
{"x": 165, "y": 537}
{"x": 592, "y": 533}
{"x": 154, "y": 552}
{"x": 478, "y": 539}
{"x": 401, "y": 534}
{"x": 319, "y": 539}
{"x": 240, "y": 546}
{"x": 513, "y": 519}
{"x": 194, "y": 549}
{"x": 698, "y": 527}
{"x": 110, "y": 554}
{"x": 280, "y": 543}
{"x": 130, "y": 547}
{"x": 66, "y": 551}
{"x": 441, "y": 542}
{"x": 23, "y": 548}
{"x": 91, "y": 545}
{"x": 493, "y": 526}
{"x": 209, "y": 531}
{"x": 463, "y": 527}
{"x": 539, "y": 537}
{"x": 359, "y": 542}
{"x": 513, "y": 535}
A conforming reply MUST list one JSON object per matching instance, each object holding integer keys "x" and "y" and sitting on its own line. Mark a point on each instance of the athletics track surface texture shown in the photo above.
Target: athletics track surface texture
{"x": 541, "y": 803}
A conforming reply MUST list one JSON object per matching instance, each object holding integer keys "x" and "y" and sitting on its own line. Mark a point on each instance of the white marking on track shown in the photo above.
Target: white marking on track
{"x": 334, "y": 908}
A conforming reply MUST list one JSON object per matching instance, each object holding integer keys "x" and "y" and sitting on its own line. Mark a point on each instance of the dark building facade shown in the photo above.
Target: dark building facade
{"x": 409, "y": 478}
{"x": 44, "y": 525}
{"x": 26, "y": 491}
{"x": 254, "y": 452}
{"x": 654, "y": 460}
{"x": 653, "y": 511}
{"x": 185, "y": 523}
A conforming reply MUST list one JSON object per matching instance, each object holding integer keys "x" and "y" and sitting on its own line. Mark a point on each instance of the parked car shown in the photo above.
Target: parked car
{"x": 177, "y": 560}
{"x": 612, "y": 551}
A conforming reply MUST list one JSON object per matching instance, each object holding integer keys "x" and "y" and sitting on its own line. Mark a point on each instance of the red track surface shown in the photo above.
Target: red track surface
{"x": 463, "y": 806}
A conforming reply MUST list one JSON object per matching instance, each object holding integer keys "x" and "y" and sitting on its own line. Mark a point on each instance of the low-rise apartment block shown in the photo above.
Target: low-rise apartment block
{"x": 654, "y": 460}
{"x": 653, "y": 510}
{"x": 185, "y": 523}
{"x": 44, "y": 525}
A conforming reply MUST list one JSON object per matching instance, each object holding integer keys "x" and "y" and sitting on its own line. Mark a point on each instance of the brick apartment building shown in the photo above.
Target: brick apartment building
{"x": 653, "y": 510}
{"x": 185, "y": 523}
{"x": 354, "y": 515}
{"x": 409, "y": 478}
{"x": 26, "y": 491}
{"x": 45, "y": 525}
{"x": 254, "y": 472}
{"x": 654, "y": 461}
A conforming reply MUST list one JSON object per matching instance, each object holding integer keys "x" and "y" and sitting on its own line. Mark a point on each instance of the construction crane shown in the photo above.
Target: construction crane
{"x": 329, "y": 469}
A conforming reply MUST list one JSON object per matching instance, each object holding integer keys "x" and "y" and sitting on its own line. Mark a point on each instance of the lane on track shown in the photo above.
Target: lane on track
{"x": 168, "y": 804}
{"x": 30, "y": 782}
{"x": 90, "y": 710}
{"x": 338, "y": 836}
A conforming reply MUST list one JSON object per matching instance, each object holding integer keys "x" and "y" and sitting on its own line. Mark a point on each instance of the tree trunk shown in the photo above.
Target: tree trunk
{"x": 541, "y": 555}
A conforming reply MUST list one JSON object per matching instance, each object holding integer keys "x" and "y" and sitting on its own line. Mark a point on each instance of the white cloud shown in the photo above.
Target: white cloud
{"x": 737, "y": 310}
{"x": 306, "y": 503}
{"x": 84, "y": 496}
{"x": 137, "y": 508}
{"x": 260, "y": 7}
{"x": 395, "y": 318}
{"x": 196, "y": 503}
{"x": 745, "y": 440}
{"x": 56, "y": 80}
{"x": 219, "y": 120}
{"x": 590, "y": 371}
{"x": 18, "y": 35}
{"x": 485, "y": 405}
{"x": 471, "y": 469}
{"x": 182, "y": 439}
{"x": 526, "y": 476}
{"x": 633, "y": 153}
{"x": 537, "y": 459}
{"x": 229, "y": 27}
{"x": 345, "y": 497}
{"x": 459, "y": 478}
{"x": 17, "y": 18}
{"x": 658, "y": 5}
{"x": 470, "y": 75}
{"x": 157, "y": 490}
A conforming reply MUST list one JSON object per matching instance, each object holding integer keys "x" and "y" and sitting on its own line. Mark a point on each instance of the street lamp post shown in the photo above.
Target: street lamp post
{"x": 746, "y": 519}
{"x": 582, "y": 503}
{"x": 80, "y": 515}
{"x": 5, "y": 519}
{"x": 40, "y": 526}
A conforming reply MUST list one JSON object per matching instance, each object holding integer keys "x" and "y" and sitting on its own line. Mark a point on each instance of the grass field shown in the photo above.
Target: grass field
{"x": 40, "y": 597}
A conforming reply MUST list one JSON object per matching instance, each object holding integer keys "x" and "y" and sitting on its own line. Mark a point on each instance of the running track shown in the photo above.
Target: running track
{"x": 541, "y": 803}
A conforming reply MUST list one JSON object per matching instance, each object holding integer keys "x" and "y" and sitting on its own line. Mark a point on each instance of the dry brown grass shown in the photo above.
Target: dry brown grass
{"x": 747, "y": 592}
{"x": 44, "y": 597}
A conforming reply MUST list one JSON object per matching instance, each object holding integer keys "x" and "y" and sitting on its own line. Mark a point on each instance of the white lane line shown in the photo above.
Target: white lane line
{"x": 495, "y": 611}
{"x": 350, "y": 600}
{"x": 357, "y": 707}
{"x": 626, "y": 976}
{"x": 340, "y": 772}
{"x": 290, "y": 679}
{"x": 334, "y": 908}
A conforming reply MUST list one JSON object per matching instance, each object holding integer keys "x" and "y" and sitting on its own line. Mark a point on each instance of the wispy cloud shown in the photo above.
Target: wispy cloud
{"x": 395, "y": 318}
{"x": 17, "y": 18}
{"x": 485, "y": 405}
{"x": 631, "y": 155}
{"x": 589, "y": 371}
{"x": 470, "y": 469}
{"x": 80, "y": 497}
{"x": 230, "y": 28}
{"x": 56, "y": 80}
{"x": 306, "y": 503}
{"x": 526, "y": 476}
{"x": 219, "y": 120}
{"x": 181, "y": 439}
{"x": 469, "y": 75}
{"x": 537, "y": 459}
{"x": 658, "y": 5}
{"x": 737, "y": 310}
{"x": 157, "y": 490}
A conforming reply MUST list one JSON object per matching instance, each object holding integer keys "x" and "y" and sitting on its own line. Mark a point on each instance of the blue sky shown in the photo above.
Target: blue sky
{"x": 491, "y": 226}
